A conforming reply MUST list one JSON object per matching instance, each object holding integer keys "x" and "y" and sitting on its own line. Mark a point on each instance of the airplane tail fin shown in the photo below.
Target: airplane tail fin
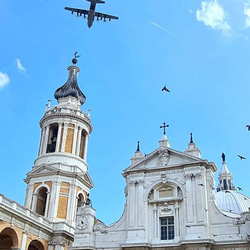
{"x": 97, "y": 1}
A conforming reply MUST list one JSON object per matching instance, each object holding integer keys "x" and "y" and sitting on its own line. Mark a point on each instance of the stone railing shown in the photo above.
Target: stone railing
{"x": 19, "y": 210}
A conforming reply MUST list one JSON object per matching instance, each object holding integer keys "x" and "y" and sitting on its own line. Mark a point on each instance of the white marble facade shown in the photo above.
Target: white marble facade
{"x": 170, "y": 203}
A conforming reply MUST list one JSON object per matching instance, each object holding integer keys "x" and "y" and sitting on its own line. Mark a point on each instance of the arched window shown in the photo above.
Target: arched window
{"x": 165, "y": 200}
{"x": 51, "y": 146}
{"x": 35, "y": 245}
{"x": 225, "y": 184}
{"x": 8, "y": 239}
{"x": 41, "y": 201}
{"x": 80, "y": 201}
{"x": 82, "y": 144}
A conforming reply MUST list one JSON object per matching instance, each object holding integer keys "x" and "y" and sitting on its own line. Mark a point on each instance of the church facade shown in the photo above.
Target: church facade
{"x": 170, "y": 195}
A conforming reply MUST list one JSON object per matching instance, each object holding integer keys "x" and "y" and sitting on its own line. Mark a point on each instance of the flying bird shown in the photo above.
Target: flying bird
{"x": 241, "y": 157}
{"x": 239, "y": 188}
{"x": 165, "y": 89}
{"x": 248, "y": 127}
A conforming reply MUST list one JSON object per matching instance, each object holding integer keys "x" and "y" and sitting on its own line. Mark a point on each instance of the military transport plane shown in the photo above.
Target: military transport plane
{"x": 91, "y": 13}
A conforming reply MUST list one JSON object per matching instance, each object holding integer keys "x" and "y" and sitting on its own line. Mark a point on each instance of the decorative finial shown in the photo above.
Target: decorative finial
{"x": 74, "y": 60}
{"x": 88, "y": 114}
{"x": 138, "y": 146}
{"x": 48, "y": 105}
{"x": 223, "y": 157}
{"x": 164, "y": 127}
{"x": 191, "y": 138}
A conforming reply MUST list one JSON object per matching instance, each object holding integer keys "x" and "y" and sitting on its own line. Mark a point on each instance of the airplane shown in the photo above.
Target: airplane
{"x": 91, "y": 13}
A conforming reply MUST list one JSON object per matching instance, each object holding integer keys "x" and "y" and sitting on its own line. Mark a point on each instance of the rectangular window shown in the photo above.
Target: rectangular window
{"x": 167, "y": 228}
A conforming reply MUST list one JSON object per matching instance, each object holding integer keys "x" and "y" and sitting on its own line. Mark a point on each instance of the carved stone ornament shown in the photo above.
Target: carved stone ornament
{"x": 244, "y": 218}
{"x": 163, "y": 156}
{"x": 165, "y": 209}
{"x": 100, "y": 226}
{"x": 163, "y": 178}
{"x": 151, "y": 195}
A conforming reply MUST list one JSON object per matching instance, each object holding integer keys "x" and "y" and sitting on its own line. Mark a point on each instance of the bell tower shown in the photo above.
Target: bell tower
{"x": 59, "y": 182}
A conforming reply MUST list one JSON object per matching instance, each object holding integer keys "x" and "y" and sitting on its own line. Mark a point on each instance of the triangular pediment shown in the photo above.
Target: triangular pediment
{"x": 88, "y": 180}
{"x": 43, "y": 169}
{"x": 163, "y": 158}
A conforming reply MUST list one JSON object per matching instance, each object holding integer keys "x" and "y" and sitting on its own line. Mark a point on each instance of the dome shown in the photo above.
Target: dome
{"x": 232, "y": 201}
{"x": 71, "y": 88}
{"x": 227, "y": 199}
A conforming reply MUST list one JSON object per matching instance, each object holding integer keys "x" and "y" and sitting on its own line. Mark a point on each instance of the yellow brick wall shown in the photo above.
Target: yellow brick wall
{"x": 48, "y": 183}
{"x": 78, "y": 189}
{"x": 69, "y": 138}
{"x": 36, "y": 185}
{"x": 63, "y": 200}
{"x": 62, "y": 207}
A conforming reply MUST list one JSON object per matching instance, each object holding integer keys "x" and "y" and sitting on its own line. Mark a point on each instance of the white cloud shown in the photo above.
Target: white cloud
{"x": 4, "y": 79}
{"x": 247, "y": 20}
{"x": 213, "y": 15}
{"x": 20, "y": 66}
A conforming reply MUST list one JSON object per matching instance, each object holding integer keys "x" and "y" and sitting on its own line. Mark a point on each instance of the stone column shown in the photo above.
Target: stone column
{"x": 59, "y": 134}
{"x": 78, "y": 141}
{"x": 200, "y": 201}
{"x": 34, "y": 201}
{"x": 74, "y": 140}
{"x": 24, "y": 240}
{"x": 140, "y": 204}
{"x": 71, "y": 204}
{"x": 177, "y": 219}
{"x": 86, "y": 147}
{"x": 189, "y": 198}
{"x": 45, "y": 140}
{"x": 131, "y": 205}
{"x": 28, "y": 196}
{"x": 47, "y": 204}
{"x": 41, "y": 141}
{"x": 53, "y": 204}
{"x": 155, "y": 221}
{"x": 65, "y": 128}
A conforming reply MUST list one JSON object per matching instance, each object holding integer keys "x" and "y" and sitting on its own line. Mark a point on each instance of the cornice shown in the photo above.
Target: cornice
{"x": 85, "y": 119}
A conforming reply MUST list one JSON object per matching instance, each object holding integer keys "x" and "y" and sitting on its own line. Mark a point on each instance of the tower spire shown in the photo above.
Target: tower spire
{"x": 71, "y": 88}
{"x": 192, "y": 149}
{"x": 60, "y": 171}
{"x": 225, "y": 176}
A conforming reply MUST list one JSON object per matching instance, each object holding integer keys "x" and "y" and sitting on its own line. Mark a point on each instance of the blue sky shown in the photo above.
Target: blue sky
{"x": 199, "y": 49}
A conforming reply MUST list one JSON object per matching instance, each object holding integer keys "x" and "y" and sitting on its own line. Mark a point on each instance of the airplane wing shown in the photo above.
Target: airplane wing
{"x": 104, "y": 17}
{"x": 79, "y": 12}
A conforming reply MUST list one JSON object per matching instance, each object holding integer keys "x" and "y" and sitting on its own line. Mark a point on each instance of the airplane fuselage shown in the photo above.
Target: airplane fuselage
{"x": 91, "y": 15}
